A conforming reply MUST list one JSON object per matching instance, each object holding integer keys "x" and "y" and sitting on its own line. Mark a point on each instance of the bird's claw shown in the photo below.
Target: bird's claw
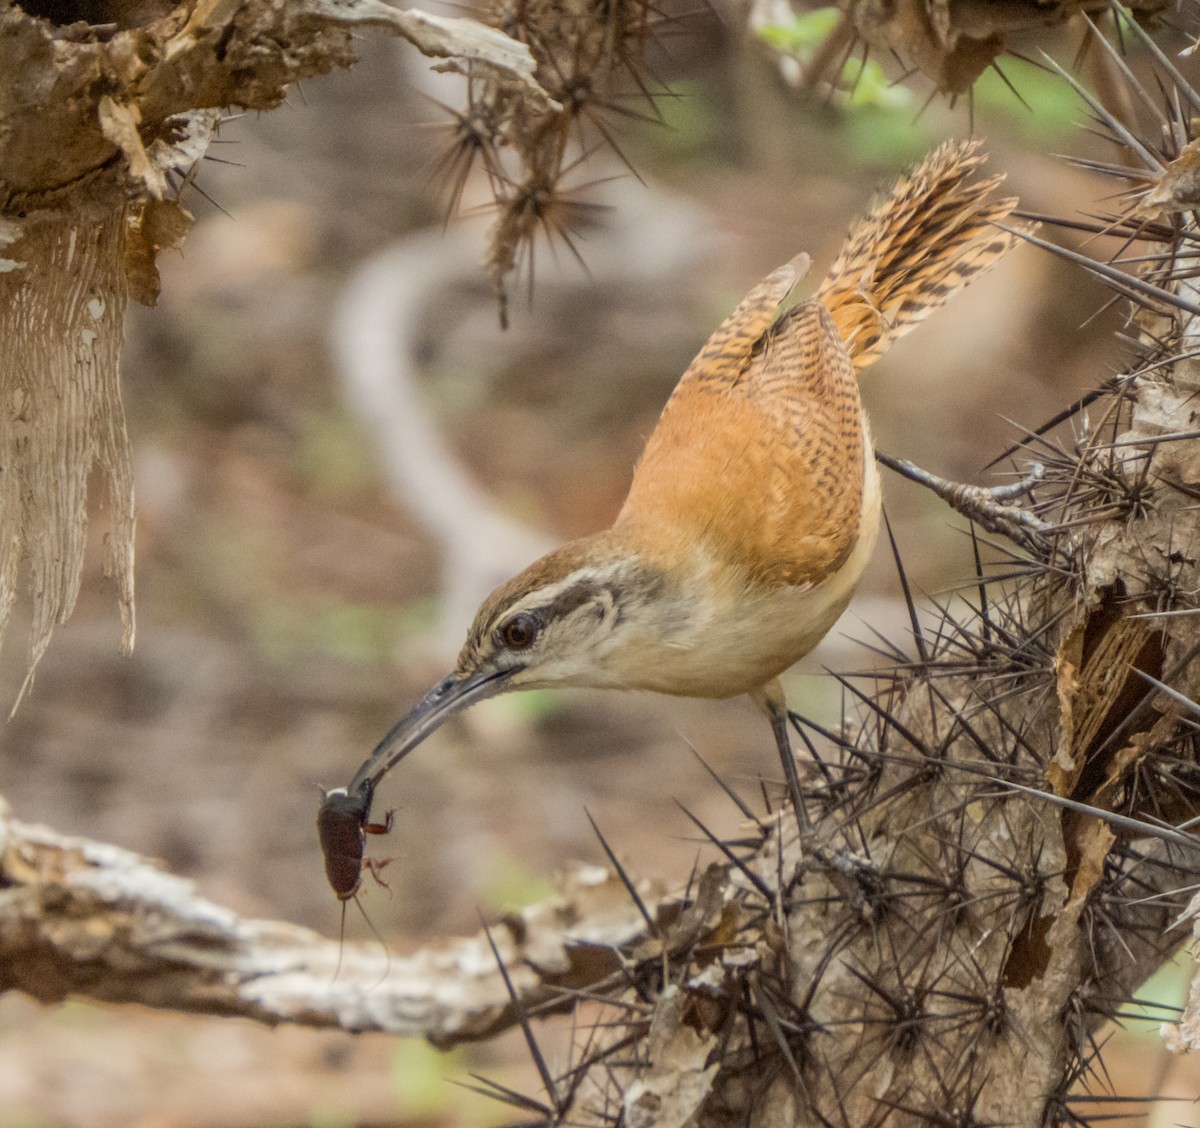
{"x": 991, "y": 507}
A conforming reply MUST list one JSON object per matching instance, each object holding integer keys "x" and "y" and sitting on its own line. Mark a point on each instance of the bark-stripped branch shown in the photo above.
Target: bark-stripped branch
{"x": 79, "y": 917}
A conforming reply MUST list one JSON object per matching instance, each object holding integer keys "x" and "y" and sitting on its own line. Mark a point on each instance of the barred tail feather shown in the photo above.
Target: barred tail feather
{"x": 916, "y": 249}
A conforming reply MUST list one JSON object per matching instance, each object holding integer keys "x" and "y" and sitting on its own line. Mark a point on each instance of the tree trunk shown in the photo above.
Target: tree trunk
{"x": 96, "y": 123}
{"x": 62, "y": 316}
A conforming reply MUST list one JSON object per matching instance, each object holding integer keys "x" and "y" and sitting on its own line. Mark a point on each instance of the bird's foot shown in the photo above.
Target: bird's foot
{"x": 991, "y": 507}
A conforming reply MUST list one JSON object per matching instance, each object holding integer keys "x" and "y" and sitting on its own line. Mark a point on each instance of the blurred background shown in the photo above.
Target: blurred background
{"x": 304, "y": 572}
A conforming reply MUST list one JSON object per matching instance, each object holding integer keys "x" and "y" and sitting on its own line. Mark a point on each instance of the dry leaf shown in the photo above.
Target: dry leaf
{"x": 670, "y": 1092}
{"x": 1093, "y": 840}
{"x": 1178, "y": 189}
{"x": 161, "y": 224}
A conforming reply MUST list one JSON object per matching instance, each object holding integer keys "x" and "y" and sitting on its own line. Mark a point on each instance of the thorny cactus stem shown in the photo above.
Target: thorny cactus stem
{"x": 589, "y": 60}
{"x": 935, "y": 949}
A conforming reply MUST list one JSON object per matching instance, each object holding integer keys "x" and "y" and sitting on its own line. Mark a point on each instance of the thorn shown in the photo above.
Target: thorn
{"x": 535, "y": 1051}
{"x": 918, "y": 635}
{"x": 1130, "y": 286}
{"x": 634, "y": 896}
{"x": 497, "y": 1092}
{"x": 745, "y": 870}
{"x": 767, "y": 1012}
{"x": 888, "y": 717}
{"x": 734, "y": 798}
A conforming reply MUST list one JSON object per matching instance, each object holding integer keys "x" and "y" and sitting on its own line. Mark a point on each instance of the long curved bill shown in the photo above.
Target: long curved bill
{"x": 451, "y": 694}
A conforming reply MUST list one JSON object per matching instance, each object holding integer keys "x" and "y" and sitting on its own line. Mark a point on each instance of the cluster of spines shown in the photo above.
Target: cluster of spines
{"x": 591, "y": 61}
{"x": 1148, "y": 160}
{"x": 891, "y": 926}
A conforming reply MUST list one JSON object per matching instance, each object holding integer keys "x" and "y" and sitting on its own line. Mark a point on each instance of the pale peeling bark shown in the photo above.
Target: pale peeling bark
{"x": 61, "y": 323}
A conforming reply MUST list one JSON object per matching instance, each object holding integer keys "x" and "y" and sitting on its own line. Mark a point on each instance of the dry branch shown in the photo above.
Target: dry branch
{"x": 83, "y": 918}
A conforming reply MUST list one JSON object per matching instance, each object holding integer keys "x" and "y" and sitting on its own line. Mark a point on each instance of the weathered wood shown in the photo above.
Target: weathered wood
{"x": 84, "y": 918}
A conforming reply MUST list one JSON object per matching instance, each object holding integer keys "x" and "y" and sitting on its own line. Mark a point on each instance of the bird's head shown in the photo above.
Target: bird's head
{"x": 578, "y": 616}
{"x": 567, "y": 619}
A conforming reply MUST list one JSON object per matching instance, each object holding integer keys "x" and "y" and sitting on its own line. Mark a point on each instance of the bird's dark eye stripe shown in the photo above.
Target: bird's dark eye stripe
{"x": 572, "y": 598}
{"x": 521, "y": 630}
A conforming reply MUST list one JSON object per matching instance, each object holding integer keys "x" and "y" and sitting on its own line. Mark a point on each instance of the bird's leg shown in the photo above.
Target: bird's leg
{"x": 771, "y": 701}
{"x": 990, "y": 507}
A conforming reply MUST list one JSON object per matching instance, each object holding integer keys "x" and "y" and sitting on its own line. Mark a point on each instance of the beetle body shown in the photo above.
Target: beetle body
{"x": 343, "y": 823}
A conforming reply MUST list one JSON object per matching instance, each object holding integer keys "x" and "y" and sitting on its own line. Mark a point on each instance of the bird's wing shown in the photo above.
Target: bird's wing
{"x": 764, "y": 466}
{"x": 803, "y": 382}
{"x": 725, "y": 354}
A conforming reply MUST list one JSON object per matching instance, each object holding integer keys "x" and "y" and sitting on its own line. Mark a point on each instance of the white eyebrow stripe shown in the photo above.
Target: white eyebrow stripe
{"x": 591, "y": 578}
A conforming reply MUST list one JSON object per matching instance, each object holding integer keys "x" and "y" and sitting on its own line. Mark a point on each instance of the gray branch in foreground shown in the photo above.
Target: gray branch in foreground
{"x": 84, "y": 918}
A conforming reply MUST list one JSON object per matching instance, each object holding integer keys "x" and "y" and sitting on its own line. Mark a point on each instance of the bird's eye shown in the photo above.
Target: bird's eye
{"x": 520, "y": 632}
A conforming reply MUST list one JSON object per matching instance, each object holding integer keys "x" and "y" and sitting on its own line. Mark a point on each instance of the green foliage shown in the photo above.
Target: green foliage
{"x": 1058, "y": 109}
{"x": 533, "y": 704}
{"x": 419, "y": 1076}
{"x": 862, "y": 82}
{"x": 332, "y": 457}
{"x": 689, "y": 119}
{"x": 286, "y": 631}
{"x": 330, "y": 1118}
{"x": 803, "y": 34}
{"x": 886, "y": 124}
{"x": 511, "y": 886}
{"x": 890, "y": 138}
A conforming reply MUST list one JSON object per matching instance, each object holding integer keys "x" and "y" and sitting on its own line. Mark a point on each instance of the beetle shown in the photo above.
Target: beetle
{"x": 343, "y": 823}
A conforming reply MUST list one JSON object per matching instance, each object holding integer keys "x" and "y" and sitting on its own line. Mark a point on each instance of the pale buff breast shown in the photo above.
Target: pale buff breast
{"x": 726, "y": 638}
